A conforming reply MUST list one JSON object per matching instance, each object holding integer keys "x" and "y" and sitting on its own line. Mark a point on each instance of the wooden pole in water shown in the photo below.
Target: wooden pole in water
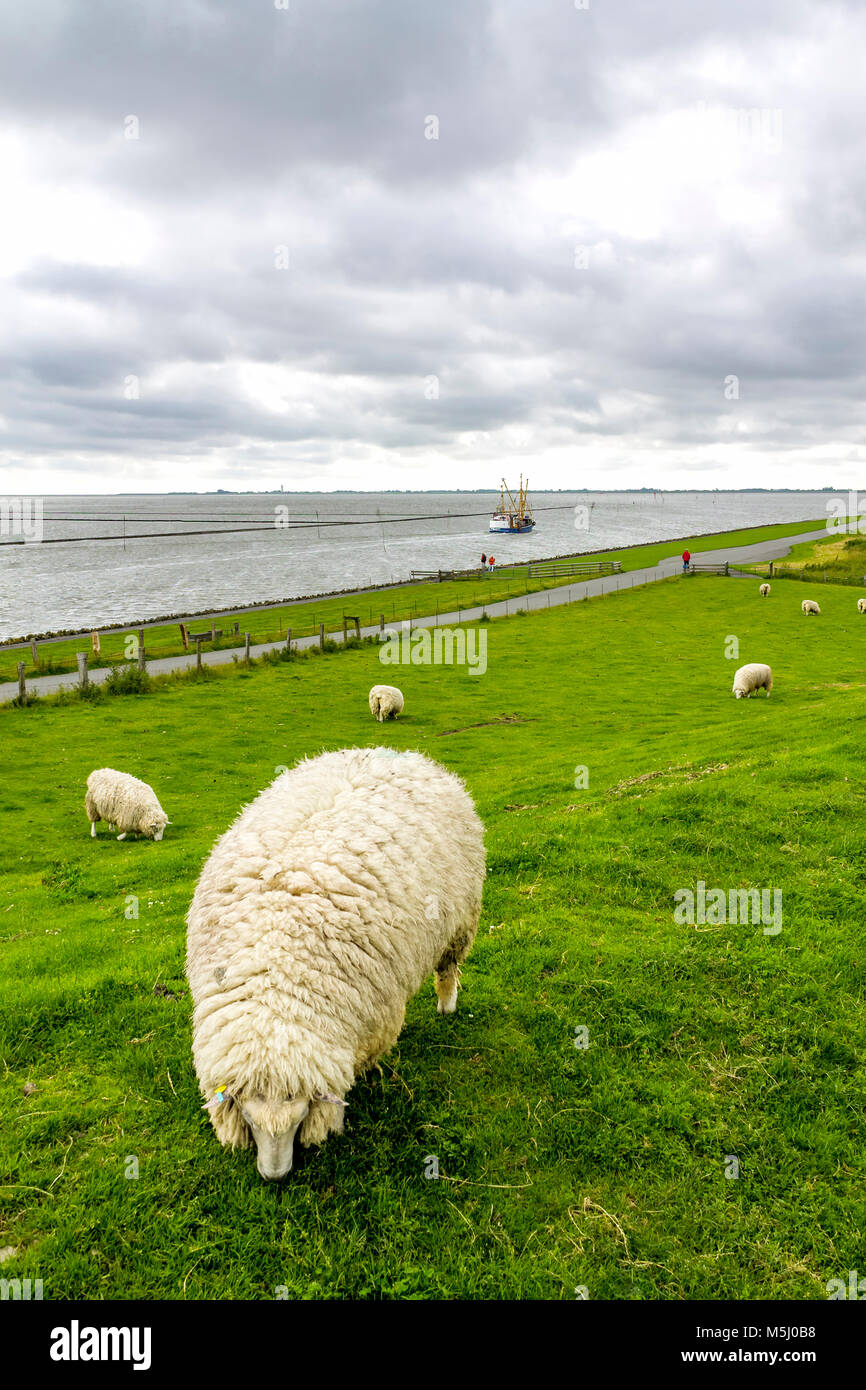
{"x": 22, "y": 684}
{"x": 83, "y": 678}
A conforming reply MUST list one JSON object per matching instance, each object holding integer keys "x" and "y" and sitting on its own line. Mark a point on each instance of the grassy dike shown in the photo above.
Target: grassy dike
{"x": 398, "y": 603}
{"x": 560, "y": 1166}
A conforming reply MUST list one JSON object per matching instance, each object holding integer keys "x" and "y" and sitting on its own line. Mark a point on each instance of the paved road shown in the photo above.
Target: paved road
{"x": 545, "y": 598}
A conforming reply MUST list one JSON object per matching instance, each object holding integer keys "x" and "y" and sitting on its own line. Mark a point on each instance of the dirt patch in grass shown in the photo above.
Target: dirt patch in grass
{"x": 684, "y": 773}
{"x": 485, "y": 724}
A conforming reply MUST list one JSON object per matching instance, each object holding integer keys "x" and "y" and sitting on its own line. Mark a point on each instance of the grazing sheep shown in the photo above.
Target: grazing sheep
{"x": 319, "y": 913}
{"x": 764, "y": 590}
{"x": 810, "y": 606}
{"x": 861, "y": 605}
{"x": 750, "y": 678}
{"x": 125, "y": 802}
{"x": 386, "y": 702}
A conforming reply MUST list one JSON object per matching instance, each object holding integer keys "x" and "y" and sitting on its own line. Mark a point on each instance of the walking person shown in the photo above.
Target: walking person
{"x": 491, "y": 562}
{"x": 483, "y": 561}
{"x": 686, "y": 558}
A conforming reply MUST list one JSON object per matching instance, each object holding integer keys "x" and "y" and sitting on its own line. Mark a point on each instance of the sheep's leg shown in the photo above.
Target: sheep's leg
{"x": 123, "y": 836}
{"x": 446, "y": 988}
{"x": 92, "y": 829}
{"x": 446, "y": 976}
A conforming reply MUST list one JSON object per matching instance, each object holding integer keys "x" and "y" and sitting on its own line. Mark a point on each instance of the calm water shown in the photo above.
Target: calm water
{"x": 52, "y": 587}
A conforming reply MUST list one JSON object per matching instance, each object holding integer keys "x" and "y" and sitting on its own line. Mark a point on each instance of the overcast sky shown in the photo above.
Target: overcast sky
{"x": 233, "y": 256}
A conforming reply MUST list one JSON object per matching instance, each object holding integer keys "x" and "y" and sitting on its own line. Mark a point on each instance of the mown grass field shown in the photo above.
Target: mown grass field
{"x": 401, "y": 602}
{"x": 560, "y": 1167}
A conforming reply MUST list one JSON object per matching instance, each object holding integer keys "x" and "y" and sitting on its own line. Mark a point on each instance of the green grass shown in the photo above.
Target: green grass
{"x": 836, "y": 560}
{"x": 559, "y": 1167}
{"x": 397, "y": 604}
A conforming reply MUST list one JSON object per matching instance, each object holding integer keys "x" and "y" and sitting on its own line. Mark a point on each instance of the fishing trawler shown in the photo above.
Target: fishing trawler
{"x": 512, "y": 516}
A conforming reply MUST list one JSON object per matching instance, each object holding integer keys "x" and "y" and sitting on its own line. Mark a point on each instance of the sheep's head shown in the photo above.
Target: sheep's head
{"x": 273, "y": 1125}
{"x": 155, "y": 827}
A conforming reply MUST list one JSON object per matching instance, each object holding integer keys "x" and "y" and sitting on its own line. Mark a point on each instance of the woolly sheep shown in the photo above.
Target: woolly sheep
{"x": 764, "y": 590}
{"x": 123, "y": 801}
{"x": 809, "y": 606}
{"x": 386, "y": 702}
{"x": 319, "y": 913}
{"x": 861, "y": 605}
{"x": 751, "y": 678}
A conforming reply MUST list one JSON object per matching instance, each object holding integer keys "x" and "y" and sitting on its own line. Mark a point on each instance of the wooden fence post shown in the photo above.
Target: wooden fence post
{"x": 358, "y": 628}
{"x": 198, "y": 638}
{"x": 247, "y": 648}
{"x": 22, "y": 684}
{"x": 288, "y": 639}
{"x": 184, "y": 637}
{"x": 34, "y": 652}
{"x": 382, "y": 620}
{"x": 213, "y": 629}
{"x": 322, "y": 635}
{"x": 83, "y": 678}
{"x": 344, "y": 627}
{"x": 141, "y": 658}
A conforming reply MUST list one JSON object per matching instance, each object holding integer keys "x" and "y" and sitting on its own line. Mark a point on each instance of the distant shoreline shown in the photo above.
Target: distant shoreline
{"x": 442, "y": 492}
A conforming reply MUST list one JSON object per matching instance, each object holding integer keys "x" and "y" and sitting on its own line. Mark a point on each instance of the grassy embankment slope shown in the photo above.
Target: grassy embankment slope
{"x": 404, "y": 601}
{"x": 560, "y": 1167}
{"x": 836, "y": 560}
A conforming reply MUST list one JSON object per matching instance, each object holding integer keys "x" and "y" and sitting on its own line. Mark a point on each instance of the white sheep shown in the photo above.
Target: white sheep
{"x": 764, "y": 590}
{"x": 809, "y": 606}
{"x": 319, "y": 913}
{"x": 386, "y": 702}
{"x": 861, "y": 605}
{"x": 755, "y": 676}
{"x": 124, "y": 801}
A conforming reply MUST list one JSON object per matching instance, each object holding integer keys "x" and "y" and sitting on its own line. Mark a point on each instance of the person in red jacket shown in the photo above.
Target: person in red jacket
{"x": 686, "y": 558}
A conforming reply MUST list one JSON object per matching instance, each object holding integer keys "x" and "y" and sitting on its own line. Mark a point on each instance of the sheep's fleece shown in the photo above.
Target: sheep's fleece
{"x": 764, "y": 590}
{"x": 755, "y": 676}
{"x": 386, "y": 702}
{"x": 810, "y": 606}
{"x": 319, "y": 913}
{"x": 123, "y": 800}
